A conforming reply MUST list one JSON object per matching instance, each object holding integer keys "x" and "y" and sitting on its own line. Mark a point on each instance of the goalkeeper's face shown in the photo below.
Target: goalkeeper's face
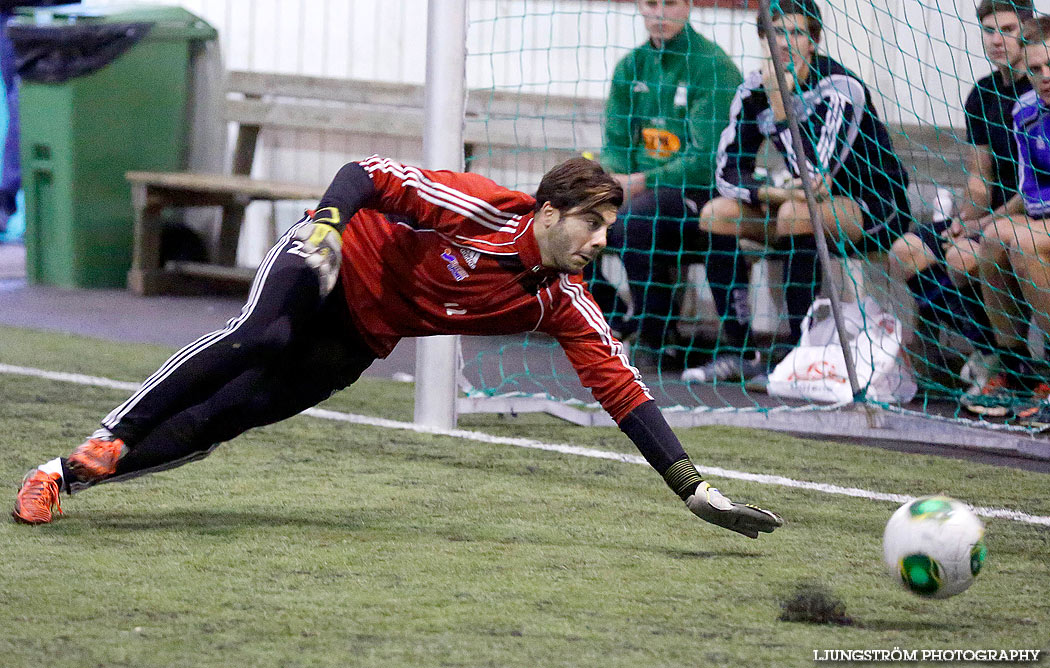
{"x": 569, "y": 240}
{"x": 1037, "y": 66}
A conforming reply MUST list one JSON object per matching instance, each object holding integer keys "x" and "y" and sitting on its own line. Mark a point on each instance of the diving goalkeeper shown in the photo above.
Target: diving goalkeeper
{"x": 391, "y": 251}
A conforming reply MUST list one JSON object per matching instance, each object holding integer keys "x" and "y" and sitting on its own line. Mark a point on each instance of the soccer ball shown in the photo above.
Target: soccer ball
{"x": 934, "y": 546}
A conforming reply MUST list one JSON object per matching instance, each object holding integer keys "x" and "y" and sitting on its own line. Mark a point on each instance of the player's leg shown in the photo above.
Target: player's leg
{"x": 725, "y": 221}
{"x": 652, "y": 259}
{"x": 283, "y": 296}
{"x": 1030, "y": 257}
{"x": 961, "y": 262}
{"x": 844, "y": 220}
{"x": 908, "y": 256}
{"x": 1008, "y": 314}
{"x": 327, "y": 358}
{"x": 646, "y": 274}
{"x": 932, "y": 282}
{"x": 326, "y": 355}
{"x": 999, "y": 285}
{"x": 961, "y": 258}
{"x": 284, "y": 388}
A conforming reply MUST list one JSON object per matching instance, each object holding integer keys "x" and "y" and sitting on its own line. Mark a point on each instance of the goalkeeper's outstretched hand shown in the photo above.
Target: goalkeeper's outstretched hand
{"x": 710, "y": 505}
{"x": 320, "y": 245}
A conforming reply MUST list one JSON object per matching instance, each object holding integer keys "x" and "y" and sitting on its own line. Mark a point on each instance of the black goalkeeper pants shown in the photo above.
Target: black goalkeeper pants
{"x": 287, "y": 351}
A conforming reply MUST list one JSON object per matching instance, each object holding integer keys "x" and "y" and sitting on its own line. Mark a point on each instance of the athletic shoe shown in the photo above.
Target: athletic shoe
{"x": 995, "y": 399}
{"x": 726, "y": 367}
{"x": 1040, "y": 398}
{"x": 1036, "y": 416}
{"x": 759, "y": 383}
{"x": 39, "y": 494}
{"x": 96, "y": 458}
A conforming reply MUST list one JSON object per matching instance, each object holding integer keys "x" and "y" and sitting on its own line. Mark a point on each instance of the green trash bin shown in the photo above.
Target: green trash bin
{"x": 80, "y": 135}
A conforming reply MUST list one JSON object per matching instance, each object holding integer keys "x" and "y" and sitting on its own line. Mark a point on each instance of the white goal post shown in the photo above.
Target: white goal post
{"x": 437, "y": 364}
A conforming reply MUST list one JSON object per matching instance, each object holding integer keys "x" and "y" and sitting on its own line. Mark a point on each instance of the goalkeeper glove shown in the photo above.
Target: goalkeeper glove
{"x": 710, "y": 505}
{"x": 320, "y": 244}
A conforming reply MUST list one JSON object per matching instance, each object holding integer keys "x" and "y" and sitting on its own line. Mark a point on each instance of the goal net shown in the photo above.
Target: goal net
{"x": 890, "y": 164}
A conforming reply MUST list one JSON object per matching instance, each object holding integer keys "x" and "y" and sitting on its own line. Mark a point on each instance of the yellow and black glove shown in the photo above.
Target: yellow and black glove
{"x": 320, "y": 245}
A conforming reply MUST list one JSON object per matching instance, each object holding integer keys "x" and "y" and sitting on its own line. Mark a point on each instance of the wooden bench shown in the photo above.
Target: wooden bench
{"x": 501, "y": 128}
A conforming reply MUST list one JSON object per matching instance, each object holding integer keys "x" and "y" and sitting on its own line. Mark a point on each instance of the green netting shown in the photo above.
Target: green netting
{"x": 904, "y": 115}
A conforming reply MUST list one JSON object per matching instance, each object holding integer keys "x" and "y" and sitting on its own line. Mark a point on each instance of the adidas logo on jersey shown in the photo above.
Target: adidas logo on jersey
{"x": 470, "y": 257}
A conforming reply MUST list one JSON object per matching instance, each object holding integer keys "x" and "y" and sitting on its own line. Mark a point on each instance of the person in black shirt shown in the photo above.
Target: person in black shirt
{"x": 939, "y": 261}
{"x": 860, "y": 183}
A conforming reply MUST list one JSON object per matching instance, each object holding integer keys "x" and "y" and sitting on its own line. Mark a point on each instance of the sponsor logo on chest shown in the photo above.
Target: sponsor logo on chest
{"x": 453, "y": 266}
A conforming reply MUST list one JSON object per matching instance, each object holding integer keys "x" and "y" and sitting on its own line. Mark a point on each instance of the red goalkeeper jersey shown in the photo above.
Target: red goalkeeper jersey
{"x": 465, "y": 261}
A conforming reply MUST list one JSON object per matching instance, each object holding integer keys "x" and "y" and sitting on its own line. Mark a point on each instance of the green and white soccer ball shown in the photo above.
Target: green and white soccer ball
{"x": 934, "y": 546}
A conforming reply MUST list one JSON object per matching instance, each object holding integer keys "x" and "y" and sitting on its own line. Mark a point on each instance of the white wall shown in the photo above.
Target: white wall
{"x": 921, "y": 57}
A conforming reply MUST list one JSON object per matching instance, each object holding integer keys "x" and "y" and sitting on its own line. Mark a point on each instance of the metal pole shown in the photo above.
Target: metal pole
{"x": 815, "y": 216}
{"x": 437, "y": 363}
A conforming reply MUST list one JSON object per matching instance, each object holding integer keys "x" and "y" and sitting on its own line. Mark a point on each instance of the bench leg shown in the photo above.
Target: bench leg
{"x": 229, "y": 234}
{"x": 146, "y": 275}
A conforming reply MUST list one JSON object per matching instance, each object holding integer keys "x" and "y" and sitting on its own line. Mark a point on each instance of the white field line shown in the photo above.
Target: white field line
{"x": 761, "y": 478}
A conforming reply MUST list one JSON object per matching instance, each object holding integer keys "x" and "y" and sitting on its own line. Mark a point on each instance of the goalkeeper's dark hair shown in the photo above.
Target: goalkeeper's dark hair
{"x": 807, "y": 8}
{"x": 1036, "y": 30}
{"x": 578, "y": 184}
{"x": 1024, "y": 9}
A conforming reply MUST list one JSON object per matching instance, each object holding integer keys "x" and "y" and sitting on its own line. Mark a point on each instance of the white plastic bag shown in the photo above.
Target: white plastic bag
{"x": 816, "y": 369}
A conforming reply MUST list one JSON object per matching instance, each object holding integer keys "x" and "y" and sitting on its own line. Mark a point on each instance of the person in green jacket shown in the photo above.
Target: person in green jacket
{"x": 668, "y": 104}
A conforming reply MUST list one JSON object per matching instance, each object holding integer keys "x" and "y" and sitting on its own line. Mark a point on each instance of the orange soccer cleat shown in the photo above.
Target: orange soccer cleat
{"x": 96, "y": 458}
{"x": 39, "y": 494}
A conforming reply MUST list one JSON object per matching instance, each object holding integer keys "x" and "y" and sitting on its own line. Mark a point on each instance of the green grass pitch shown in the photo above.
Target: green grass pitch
{"x": 318, "y": 543}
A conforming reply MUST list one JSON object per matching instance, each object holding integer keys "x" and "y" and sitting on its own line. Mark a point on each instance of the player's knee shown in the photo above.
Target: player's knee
{"x": 1000, "y": 235}
{"x": 792, "y": 222}
{"x": 793, "y": 219}
{"x": 962, "y": 265}
{"x": 905, "y": 256}
{"x": 792, "y": 210}
{"x": 275, "y": 338}
{"x": 901, "y": 250}
{"x": 722, "y": 215}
